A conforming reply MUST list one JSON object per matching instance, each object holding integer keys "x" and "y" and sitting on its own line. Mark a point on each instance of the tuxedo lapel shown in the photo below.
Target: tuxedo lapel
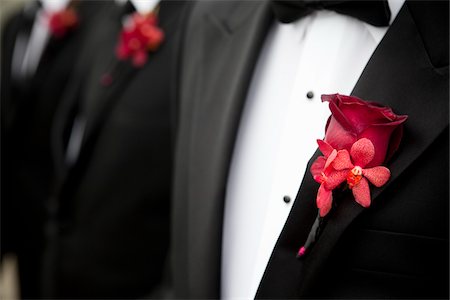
{"x": 399, "y": 75}
{"x": 97, "y": 110}
{"x": 229, "y": 64}
{"x": 16, "y": 39}
{"x": 100, "y": 97}
{"x": 71, "y": 104}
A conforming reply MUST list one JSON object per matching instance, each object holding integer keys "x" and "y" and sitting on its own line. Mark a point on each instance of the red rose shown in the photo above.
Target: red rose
{"x": 353, "y": 119}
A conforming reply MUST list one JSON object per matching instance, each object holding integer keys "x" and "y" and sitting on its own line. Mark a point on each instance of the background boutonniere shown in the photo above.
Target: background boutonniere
{"x": 139, "y": 36}
{"x": 360, "y": 137}
{"x": 62, "y": 22}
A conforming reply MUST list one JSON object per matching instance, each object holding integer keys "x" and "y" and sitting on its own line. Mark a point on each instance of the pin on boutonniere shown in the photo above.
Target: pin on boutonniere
{"x": 360, "y": 137}
{"x": 139, "y": 36}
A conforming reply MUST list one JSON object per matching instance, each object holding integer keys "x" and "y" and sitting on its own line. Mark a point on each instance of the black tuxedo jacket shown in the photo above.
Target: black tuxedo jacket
{"x": 28, "y": 105}
{"x": 396, "y": 248}
{"x": 109, "y": 219}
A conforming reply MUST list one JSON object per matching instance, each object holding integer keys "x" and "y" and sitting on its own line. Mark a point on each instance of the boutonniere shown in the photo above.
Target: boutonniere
{"x": 360, "y": 137}
{"x": 62, "y": 22}
{"x": 140, "y": 35}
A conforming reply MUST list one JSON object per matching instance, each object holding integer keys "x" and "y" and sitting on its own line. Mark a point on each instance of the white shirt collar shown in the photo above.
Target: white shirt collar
{"x": 144, "y": 6}
{"x": 54, "y": 5}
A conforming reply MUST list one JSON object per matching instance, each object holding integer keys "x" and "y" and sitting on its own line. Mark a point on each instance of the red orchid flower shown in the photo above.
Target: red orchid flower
{"x": 329, "y": 178}
{"x": 335, "y": 167}
{"x": 361, "y": 154}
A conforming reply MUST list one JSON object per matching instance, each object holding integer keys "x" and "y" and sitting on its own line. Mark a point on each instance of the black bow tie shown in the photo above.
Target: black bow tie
{"x": 376, "y": 13}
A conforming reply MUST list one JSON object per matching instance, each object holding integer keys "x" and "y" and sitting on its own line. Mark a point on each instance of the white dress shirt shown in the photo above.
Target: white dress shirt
{"x": 144, "y": 6}
{"x": 323, "y": 53}
{"x": 27, "y": 63}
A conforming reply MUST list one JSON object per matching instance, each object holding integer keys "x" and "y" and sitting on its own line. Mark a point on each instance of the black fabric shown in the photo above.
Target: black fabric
{"x": 109, "y": 234}
{"x": 28, "y": 105}
{"x": 376, "y": 13}
{"x": 217, "y": 49}
{"x": 396, "y": 211}
{"x": 398, "y": 248}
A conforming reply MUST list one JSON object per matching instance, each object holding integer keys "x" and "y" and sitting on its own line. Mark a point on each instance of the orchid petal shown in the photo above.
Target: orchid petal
{"x": 324, "y": 200}
{"x": 342, "y": 160}
{"x": 325, "y": 148}
{"x": 339, "y": 137}
{"x": 331, "y": 158}
{"x": 362, "y": 152}
{"x": 378, "y": 176}
{"x": 335, "y": 178}
{"x": 379, "y": 135}
{"x": 317, "y": 166}
{"x": 361, "y": 192}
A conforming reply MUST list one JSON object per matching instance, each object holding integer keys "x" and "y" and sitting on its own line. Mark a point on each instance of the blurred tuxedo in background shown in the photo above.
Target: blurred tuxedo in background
{"x": 250, "y": 114}
{"x": 108, "y": 227}
{"x": 35, "y": 65}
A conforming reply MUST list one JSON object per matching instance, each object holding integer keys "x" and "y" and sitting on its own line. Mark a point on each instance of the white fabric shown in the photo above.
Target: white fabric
{"x": 54, "y": 5}
{"x": 39, "y": 36}
{"x": 37, "y": 42}
{"x": 144, "y": 6}
{"x": 324, "y": 53}
{"x": 76, "y": 138}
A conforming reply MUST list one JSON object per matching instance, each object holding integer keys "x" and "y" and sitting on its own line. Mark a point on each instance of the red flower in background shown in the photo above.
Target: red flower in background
{"x": 61, "y": 22}
{"x": 138, "y": 37}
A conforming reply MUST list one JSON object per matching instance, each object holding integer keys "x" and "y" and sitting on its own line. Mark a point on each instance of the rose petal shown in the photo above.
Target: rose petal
{"x": 338, "y": 137}
{"x": 335, "y": 178}
{"x": 361, "y": 192}
{"x": 362, "y": 152}
{"x": 324, "y": 200}
{"x": 325, "y": 148}
{"x": 380, "y": 136}
{"x": 394, "y": 142}
{"x": 361, "y": 115}
{"x": 378, "y": 176}
{"x": 342, "y": 161}
{"x": 334, "y": 103}
{"x": 317, "y": 166}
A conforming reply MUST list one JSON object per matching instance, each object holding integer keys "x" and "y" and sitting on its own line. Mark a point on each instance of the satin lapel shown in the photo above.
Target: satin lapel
{"x": 399, "y": 75}
{"x": 87, "y": 97}
{"x": 22, "y": 35}
{"x": 69, "y": 103}
{"x": 101, "y": 97}
{"x": 121, "y": 73}
{"x": 231, "y": 40}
